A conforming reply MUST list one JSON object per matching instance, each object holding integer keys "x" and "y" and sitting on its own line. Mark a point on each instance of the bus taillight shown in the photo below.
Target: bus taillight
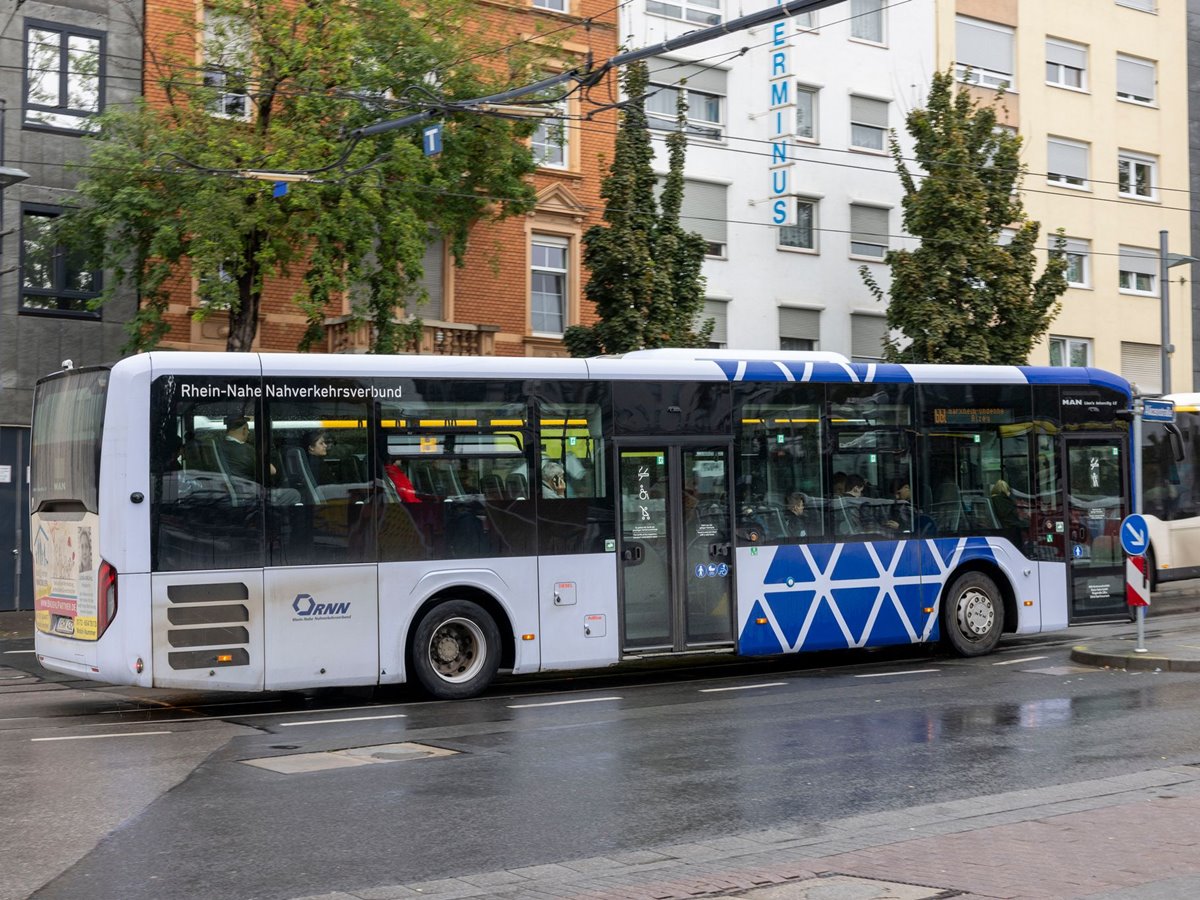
{"x": 106, "y": 597}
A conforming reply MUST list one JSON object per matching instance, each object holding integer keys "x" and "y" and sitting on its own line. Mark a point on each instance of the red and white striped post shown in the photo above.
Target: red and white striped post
{"x": 1137, "y": 594}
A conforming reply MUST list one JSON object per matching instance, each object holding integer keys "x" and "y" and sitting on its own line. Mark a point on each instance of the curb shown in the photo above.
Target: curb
{"x": 1132, "y": 661}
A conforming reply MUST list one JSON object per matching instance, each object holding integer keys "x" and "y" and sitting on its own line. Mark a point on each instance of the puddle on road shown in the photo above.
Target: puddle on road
{"x": 300, "y": 763}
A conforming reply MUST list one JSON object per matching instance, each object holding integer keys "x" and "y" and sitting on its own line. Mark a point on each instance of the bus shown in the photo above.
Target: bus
{"x": 461, "y": 517}
{"x": 1170, "y": 485}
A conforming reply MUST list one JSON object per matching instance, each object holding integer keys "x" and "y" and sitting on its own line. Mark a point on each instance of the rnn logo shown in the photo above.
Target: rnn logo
{"x": 305, "y": 605}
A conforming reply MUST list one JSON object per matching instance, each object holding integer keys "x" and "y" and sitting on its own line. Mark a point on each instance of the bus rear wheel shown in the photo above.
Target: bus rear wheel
{"x": 456, "y": 650}
{"x": 972, "y": 614}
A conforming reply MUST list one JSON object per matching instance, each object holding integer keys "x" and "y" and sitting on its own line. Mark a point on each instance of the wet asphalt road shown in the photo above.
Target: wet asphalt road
{"x": 543, "y": 771}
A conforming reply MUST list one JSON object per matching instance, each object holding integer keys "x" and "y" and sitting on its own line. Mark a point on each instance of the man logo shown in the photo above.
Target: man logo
{"x": 306, "y": 607}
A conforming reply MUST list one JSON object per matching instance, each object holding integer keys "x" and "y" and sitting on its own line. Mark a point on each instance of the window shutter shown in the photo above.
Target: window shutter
{"x": 1066, "y": 54}
{"x": 432, "y": 280}
{"x": 699, "y": 78}
{"x": 703, "y": 210}
{"x": 1135, "y": 77}
{"x": 981, "y": 47}
{"x": 868, "y": 225}
{"x": 1142, "y": 364}
{"x": 1067, "y": 159}
{"x": 717, "y": 311}
{"x": 866, "y": 111}
{"x": 866, "y": 336}
{"x": 1144, "y": 262}
{"x": 800, "y": 323}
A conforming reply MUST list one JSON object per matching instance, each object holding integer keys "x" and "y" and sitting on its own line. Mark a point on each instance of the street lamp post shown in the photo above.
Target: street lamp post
{"x": 1167, "y": 261}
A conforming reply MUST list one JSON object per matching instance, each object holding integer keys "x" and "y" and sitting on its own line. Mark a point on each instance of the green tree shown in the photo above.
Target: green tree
{"x": 962, "y": 296}
{"x": 280, "y": 87}
{"x": 644, "y": 267}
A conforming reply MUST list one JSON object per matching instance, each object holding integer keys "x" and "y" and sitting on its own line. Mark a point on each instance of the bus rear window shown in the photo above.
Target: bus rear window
{"x": 68, "y": 416}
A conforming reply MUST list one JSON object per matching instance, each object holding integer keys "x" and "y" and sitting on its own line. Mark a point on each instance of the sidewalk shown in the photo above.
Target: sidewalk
{"x": 1132, "y": 837}
{"x": 1178, "y": 654}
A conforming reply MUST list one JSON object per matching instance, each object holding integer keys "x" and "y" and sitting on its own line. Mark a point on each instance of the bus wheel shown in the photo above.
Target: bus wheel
{"x": 973, "y": 614}
{"x": 456, "y": 650}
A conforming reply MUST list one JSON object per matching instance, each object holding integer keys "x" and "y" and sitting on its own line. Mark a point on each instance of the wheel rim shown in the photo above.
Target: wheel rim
{"x": 975, "y": 613}
{"x": 457, "y": 650}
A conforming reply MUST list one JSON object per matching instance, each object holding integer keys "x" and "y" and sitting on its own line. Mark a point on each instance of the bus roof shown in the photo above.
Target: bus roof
{"x": 676, "y": 365}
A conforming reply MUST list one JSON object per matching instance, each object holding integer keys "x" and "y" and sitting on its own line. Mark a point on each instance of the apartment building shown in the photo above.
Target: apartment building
{"x": 1098, "y": 90}
{"x": 522, "y": 281}
{"x": 61, "y": 64}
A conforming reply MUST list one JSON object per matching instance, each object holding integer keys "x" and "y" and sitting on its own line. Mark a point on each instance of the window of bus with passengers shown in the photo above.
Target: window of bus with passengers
{"x": 454, "y": 466}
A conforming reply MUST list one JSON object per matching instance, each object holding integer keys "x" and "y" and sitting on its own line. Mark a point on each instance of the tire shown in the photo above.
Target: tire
{"x": 972, "y": 614}
{"x": 456, "y": 650}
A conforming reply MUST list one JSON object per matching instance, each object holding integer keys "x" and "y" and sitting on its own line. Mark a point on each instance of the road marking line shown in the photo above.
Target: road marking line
{"x": 742, "y": 687}
{"x": 92, "y": 737}
{"x": 10, "y": 652}
{"x": 886, "y": 674}
{"x": 338, "y": 721}
{"x": 1011, "y": 662}
{"x": 562, "y": 702}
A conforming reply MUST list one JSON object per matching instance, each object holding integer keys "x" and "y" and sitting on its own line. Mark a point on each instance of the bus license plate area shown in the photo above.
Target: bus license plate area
{"x": 64, "y": 625}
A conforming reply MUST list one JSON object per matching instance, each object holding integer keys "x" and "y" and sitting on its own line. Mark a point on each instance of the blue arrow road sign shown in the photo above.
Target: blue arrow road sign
{"x": 1135, "y": 536}
{"x": 1158, "y": 411}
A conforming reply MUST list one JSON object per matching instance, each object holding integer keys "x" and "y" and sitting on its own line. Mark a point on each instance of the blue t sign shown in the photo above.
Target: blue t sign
{"x": 1135, "y": 536}
{"x": 431, "y": 140}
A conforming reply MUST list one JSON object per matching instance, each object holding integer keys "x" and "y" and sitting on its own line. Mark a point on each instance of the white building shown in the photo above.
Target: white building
{"x": 848, "y": 73}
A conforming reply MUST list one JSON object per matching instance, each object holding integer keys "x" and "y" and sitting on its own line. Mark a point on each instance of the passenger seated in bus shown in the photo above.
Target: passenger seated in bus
{"x": 316, "y": 449}
{"x": 1006, "y": 511}
{"x": 236, "y": 450}
{"x": 554, "y": 481}
{"x": 900, "y": 514}
{"x": 848, "y": 508}
{"x": 795, "y": 515}
{"x": 404, "y": 487}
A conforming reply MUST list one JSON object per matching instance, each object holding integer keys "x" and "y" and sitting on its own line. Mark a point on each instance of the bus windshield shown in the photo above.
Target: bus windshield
{"x": 67, "y": 421}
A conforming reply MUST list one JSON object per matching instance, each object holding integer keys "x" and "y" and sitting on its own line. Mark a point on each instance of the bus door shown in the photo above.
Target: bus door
{"x": 676, "y": 547}
{"x": 1096, "y": 486}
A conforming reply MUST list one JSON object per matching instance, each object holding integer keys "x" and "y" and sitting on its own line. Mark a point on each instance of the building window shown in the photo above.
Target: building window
{"x": 866, "y": 20}
{"x": 64, "y": 76}
{"x": 806, "y": 21}
{"x": 868, "y": 231}
{"x": 704, "y": 95}
{"x": 704, "y": 211}
{"x": 867, "y": 337}
{"x": 548, "y": 285}
{"x": 1139, "y": 271}
{"x": 799, "y": 329}
{"x": 984, "y": 53}
{"x": 703, "y": 12}
{"x": 1143, "y": 5}
{"x": 1066, "y": 64}
{"x": 806, "y": 112}
{"x": 1141, "y": 364}
{"x": 1067, "y": 163}
{"x": 868, "y": 123}
{"x": 1078, "y": 254}
{"x": 718, "y": 311}
{"x": 554, "y": 5}
{"x": 226, "y": 54}
{"x": 802, "y": 235}
{"x": 1135, "y": 79}
{"x": 1067, "y": 351}
{"x": 549, "y": 141}
{"x": 1137, "y": 176}
{"x": 54, "y": 278}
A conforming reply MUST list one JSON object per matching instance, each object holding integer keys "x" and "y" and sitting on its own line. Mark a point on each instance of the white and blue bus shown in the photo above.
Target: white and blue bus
{"x": 275, "y": 521}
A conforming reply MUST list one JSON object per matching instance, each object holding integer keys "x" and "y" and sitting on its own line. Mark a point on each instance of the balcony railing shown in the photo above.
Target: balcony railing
{"x": 342, "y": 335}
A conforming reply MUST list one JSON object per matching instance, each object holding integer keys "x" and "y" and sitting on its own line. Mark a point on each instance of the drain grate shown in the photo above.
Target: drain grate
{"x": 845, "y": 887}
{"x": 300, "y": 763}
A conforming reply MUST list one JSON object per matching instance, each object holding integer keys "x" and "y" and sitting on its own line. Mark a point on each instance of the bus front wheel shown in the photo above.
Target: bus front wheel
{"x": 972, "y": 614}
{"x": 456, "y": 650}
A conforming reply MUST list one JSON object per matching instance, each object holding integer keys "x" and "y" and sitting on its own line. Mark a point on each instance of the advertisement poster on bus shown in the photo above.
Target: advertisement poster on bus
{"x": 65, "y": 566}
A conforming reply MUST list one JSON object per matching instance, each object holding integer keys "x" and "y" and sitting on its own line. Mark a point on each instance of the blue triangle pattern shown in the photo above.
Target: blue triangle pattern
{"x": 910, "y": 561}
{"x": 855, "y": 606}
{"x": 821, "y": 554}
{"x": 944, "y": 548}
{"x": 889, "y": 626}
{"x": 790, "y": 608}
{"x": 824, "y": 633}
{"x": 788, "y": 562}
{"x": 758, "y": 640}
{"x": 855, "y": 563}
{"x": 887, "y": 552}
